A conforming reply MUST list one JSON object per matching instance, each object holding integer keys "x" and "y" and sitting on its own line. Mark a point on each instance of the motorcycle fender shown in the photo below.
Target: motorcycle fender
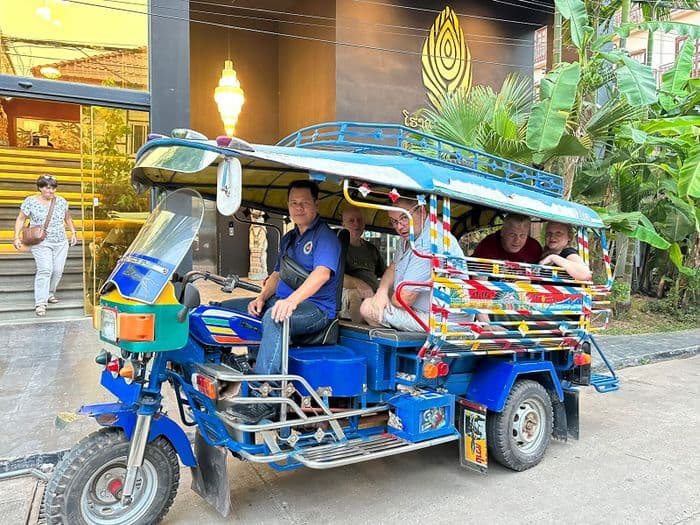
{"x": 118, "y": 415}
{"x": 210, "y": 476}
{"x": 493, "y": 380}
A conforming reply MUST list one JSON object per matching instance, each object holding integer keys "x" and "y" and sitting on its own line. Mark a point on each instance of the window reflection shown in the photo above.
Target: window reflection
{"x": 87, "y": 44}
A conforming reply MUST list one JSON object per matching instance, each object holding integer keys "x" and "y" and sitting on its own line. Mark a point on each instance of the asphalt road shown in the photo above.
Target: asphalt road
{"x": 638, "y": 461}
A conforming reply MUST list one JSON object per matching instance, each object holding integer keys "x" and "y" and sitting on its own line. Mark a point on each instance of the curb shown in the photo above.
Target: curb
{"x": 646, "y": 359}
{"x": 32, "y": 461}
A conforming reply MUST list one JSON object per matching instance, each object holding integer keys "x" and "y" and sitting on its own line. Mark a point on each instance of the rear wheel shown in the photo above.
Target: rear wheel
{"x": 519, "y": 436}
{"x": 86, "y": 485}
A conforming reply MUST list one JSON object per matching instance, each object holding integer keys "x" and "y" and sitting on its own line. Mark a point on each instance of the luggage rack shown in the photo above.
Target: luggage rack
{"x": 400, "y": 140}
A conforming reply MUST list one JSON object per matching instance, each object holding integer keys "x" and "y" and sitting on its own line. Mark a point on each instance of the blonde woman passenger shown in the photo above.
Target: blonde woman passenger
{"x": 558, "y": 251}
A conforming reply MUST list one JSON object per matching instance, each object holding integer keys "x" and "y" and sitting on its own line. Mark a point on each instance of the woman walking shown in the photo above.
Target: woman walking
{"x": 50, "y": 254}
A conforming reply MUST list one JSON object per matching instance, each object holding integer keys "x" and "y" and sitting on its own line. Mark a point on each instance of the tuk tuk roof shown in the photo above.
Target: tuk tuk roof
{"x": 478, "y": 195}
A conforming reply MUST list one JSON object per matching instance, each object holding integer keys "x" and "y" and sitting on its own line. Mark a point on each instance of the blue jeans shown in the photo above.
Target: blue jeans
{"x": 307, "y": 318}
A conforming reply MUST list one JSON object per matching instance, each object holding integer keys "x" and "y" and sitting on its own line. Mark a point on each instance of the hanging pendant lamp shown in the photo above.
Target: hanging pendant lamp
{"x": 229, "y": 97}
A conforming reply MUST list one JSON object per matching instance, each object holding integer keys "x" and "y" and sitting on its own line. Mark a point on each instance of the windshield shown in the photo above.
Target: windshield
{"x": 164, "y": 240}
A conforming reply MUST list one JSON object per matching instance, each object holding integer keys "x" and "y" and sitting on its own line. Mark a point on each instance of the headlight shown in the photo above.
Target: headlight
{"x": 108, "y": 324}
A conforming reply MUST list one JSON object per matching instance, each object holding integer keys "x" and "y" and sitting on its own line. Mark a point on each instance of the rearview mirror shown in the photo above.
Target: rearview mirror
{"x": 190, "y": 301}
{"x": 228, "y": 186}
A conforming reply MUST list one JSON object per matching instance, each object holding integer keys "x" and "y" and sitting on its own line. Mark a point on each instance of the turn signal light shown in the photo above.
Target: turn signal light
{"x": 582, "y": 358}
{"x": 113, "y": 366}
{"x": 205, "y": 385}
{"x": 430, "y": 371}
{"x": 137, "y": 327}
{"x": 127, "y": 371}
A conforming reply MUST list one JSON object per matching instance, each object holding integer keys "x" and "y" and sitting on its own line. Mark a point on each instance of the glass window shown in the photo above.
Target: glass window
{"x": 103, "y": 44}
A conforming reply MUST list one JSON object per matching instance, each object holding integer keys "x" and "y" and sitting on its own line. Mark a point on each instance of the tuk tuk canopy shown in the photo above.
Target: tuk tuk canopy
{"x": 478, "y": 192}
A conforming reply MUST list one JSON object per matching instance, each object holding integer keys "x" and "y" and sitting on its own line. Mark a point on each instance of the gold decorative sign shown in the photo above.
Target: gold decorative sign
{"x": 446, "y": 58}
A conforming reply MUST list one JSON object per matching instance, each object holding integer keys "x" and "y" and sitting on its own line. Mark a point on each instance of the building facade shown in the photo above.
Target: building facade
{"x": 82, "y": 85}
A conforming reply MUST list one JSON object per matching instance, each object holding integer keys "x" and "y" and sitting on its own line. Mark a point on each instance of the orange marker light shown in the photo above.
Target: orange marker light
{"x": 582, "y": 358}
{"x": 206, "y": 385}
{"x": 137, "y": 327}
{"x": 430, "y": 371}
{"x": 127, "y": 371}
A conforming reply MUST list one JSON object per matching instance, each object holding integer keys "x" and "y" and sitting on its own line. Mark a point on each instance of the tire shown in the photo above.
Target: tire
{"x": 78, "y": 494}
{"x": 519, "y": 436}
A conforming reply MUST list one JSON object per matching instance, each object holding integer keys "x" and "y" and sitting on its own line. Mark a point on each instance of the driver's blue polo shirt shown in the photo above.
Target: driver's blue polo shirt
{"x": 318, "y": 246}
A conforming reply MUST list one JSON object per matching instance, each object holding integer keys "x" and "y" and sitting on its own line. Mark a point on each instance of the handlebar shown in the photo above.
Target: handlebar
{"x": 228, "y": 283}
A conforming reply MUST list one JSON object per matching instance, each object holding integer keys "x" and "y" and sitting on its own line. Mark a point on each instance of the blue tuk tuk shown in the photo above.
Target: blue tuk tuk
{"x": 499, "y": 389}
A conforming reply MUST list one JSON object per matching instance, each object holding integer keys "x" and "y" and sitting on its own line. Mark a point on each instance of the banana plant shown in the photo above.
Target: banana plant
{"x": 568, "y": 126}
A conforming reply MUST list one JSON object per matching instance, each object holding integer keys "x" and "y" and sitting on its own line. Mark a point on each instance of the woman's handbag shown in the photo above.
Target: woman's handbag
{"x": 32, "y": 235}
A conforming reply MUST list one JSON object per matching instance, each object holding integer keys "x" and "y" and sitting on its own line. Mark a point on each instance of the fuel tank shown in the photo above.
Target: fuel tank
{"x": 216, "y": 326}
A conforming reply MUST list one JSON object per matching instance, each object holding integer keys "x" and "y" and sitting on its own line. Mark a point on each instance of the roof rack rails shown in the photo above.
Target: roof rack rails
{"x": 400, "y": 140}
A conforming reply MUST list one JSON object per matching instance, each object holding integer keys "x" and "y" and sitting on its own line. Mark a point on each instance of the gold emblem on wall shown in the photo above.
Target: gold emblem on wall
{"x": 446, "y": 58}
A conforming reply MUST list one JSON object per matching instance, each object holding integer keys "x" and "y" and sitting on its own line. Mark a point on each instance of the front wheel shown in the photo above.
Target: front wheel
{"x": 86, "y": 485}
{"x": 519, "y": 435}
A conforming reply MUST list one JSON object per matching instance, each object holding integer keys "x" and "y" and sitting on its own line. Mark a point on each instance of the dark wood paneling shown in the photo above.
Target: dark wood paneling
{"x": 254, "y": 58}
{"x": 40, "y": 109}
{"x": 307, "y": 70}
{"x": 375, "y": 85}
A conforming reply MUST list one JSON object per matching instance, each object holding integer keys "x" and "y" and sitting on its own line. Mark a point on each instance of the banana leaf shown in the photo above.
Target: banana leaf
{"x": 634, "y": 80}
{"x": 575, "y": 12}
{"x": 549, "y": 116}
{"x": 675, "y": 79}
{"x": 636, "y": 226}
{"x": 674, "y": 253}
{"x": 689, "y": 175}
{"x": 670, "y": 126}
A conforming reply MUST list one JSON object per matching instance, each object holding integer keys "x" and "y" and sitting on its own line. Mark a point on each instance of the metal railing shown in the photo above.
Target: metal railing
{"x": 392, "y": 139}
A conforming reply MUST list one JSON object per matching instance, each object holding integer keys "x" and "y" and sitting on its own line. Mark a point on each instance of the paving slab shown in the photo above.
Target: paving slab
{"x": 19, "y": 499}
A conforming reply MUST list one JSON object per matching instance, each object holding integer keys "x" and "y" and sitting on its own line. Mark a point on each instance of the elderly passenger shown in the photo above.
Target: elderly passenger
{"x": 384, "y": 309}
{"x": 511, "y": 243}
{"x": 364, "y": 266}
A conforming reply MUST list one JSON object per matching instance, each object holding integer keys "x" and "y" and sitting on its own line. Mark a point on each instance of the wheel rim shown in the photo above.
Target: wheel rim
{"x": 528, "y": 429}
{"x": 99, "y": 506}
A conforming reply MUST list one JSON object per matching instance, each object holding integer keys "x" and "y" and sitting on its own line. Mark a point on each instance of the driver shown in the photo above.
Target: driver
{"x": 311, "y": 305}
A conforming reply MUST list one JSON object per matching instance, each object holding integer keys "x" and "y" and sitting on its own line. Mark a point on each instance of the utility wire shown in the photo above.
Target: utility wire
{"x": 537, "y": 3}
{"x": 521, "y": 6}
{"x": 425, "y": 9}
{"x": 293, "y": 13}
{"x": 287, "y": 35}
{"x": 287, "y": 13}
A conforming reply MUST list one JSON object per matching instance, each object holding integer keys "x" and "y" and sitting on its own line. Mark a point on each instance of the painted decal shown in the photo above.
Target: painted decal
{"x": 433, "y": 418}
{"x": 474, "y": 436}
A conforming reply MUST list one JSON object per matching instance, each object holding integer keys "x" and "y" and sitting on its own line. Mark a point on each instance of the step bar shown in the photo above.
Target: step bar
{"x": 356, "y": 450}
{"x": 601, "y": 382}
{"x": 362, "y": 449}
